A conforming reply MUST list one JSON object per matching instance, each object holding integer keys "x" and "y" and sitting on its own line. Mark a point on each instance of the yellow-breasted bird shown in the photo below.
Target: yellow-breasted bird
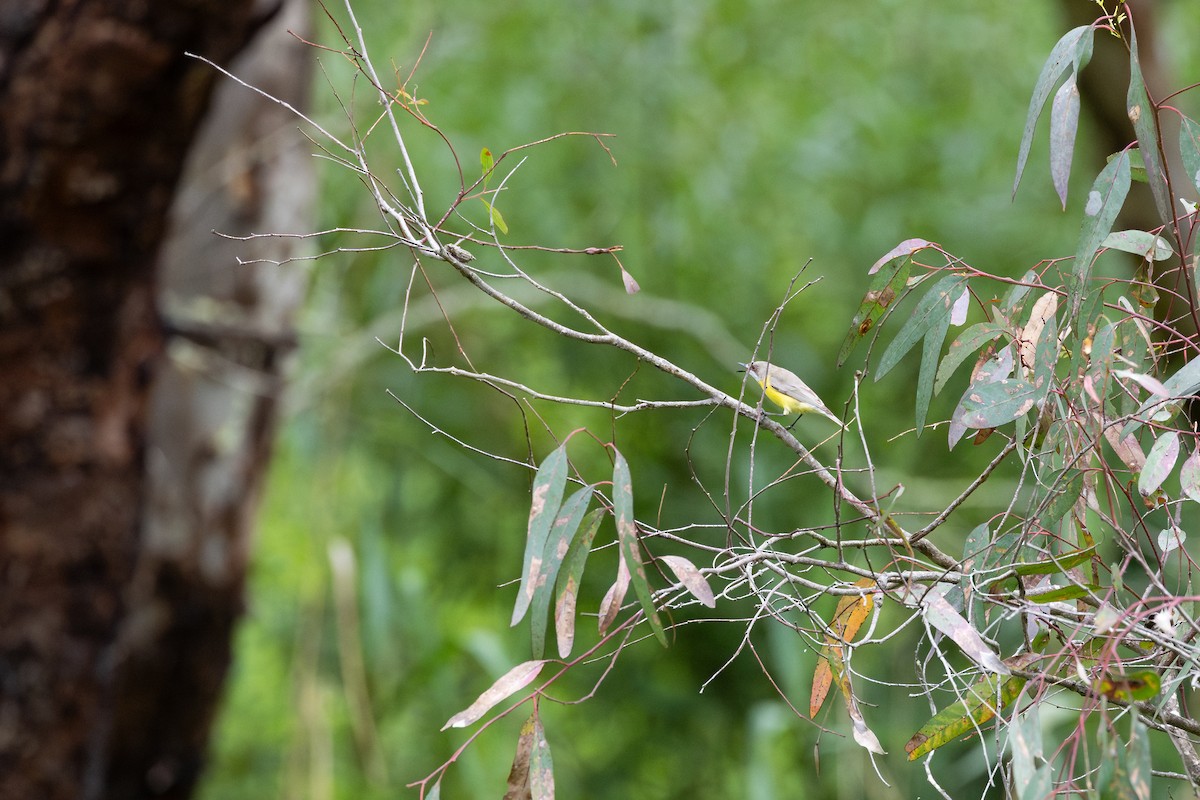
{"x": 785, "y": 389}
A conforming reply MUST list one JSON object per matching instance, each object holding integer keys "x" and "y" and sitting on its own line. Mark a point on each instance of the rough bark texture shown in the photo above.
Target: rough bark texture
{"x": 108, "y": 668}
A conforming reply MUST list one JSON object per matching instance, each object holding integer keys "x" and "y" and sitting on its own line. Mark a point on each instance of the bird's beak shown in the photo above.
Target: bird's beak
{"x": 743, "y": 367}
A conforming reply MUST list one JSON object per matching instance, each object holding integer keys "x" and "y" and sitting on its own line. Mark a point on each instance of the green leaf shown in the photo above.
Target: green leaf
{"x": 1030, "y": 781}
{"x": 1063, "y": 593}
{"x": 963, "y": 346}
{"x": 1072, "y": 51}
{"x": 934, "y": 338}
{"x": 1056, "y": 564}
{"x": 930, "y": 312}
{"x": 558, "y": 543}
{"x": 494, "y": 216}
{"x": 1189, "y": 151}
{"x": 883, "y": 289}
{"x": 1189, "y": 476}
{"x": 990, "y": 405}
{"x": 1064, "y": 492}
{"x": 1145, "y": 125}
{"x": 569, "y": 580}
{"x": 974, "y": 547}
{"x": 1140, "y": 243}
{"x": 630, "y": 546}
{"x": 1137, "y": 167}
{"x": 541, "y": 765}
{"x": 487, "y": 163}
{"x": 1064, "y": 124}
{"x": 1141, "y": 685}
{"x": 983, "y": 700}
{"x": 548, "y": 486}
{"x": 1104, "y": 202}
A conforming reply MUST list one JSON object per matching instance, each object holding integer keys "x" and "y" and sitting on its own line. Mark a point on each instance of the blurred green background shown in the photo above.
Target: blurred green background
{"x": 750, "y": 137}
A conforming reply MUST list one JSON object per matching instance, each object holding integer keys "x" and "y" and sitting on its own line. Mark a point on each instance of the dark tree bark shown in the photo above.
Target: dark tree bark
{"x": 122, "y": 520}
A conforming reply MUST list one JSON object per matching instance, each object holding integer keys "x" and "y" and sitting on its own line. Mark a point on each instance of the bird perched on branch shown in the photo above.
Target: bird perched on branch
{"x": 785, "y": 389}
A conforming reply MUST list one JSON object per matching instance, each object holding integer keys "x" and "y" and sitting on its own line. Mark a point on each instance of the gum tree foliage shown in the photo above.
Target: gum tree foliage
{"x": 1072, "y": 598}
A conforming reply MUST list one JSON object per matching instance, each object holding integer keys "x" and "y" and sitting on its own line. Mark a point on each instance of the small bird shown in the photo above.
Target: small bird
{"x": 786, "y": 390}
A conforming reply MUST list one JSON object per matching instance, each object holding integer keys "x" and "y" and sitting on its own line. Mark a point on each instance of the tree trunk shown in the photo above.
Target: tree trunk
{"x": 122, "y": 513}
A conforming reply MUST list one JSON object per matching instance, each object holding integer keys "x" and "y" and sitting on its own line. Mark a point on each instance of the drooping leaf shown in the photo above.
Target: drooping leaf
{"x": 883, "y": 289}
{"x": 1189, "y": 476}
{"x": 613, "y": 598}
{"x": 558, "y": 543}
{"x": 630, "y": 546}
{"x": 933, "y": 309}
{"x": 1127, "y": 448}
{"x": 1139, "y": 759}
{"x": 548, "y": 486}
{"x": 1104, "y": 202}
{"x": 518, "y": 775}
{"x": 1159, "y": 463}
{"x": 631, "y": 285}
{"x": 852, "y": 611}
{"x": 1025, "y": 741}
{"x": 1189, "y": 150}
{"x": 1072, "y": 51}
{"x": 1145, "y": 125}
{"x": 1064, "y": 124}
{"x": 569, "y": 579}
{"x": 505, "y": 686}
{"x": 541, "y": 765}
{"x": 932, "y": 349}
{"x": 941, "y": 616}
{"x": 1140, "y": 243}
{"x": 691, "y": 579}
{"x": 863, "y": 736}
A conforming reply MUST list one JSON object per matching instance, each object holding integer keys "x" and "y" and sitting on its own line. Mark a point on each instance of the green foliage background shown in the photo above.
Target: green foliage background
{"x": 750, "y": 137}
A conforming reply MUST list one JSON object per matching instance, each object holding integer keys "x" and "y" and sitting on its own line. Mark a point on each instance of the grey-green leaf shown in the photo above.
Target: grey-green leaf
{"x": 630, "y": 546}
{"x": 1070, "y": 52}
{"x": 548, "y": 486}
{"x": 930, "y": 311}
{"x": 558, "y": 543}
{"x": 1104, "y": 202}
{"x": 1064, "y": 124}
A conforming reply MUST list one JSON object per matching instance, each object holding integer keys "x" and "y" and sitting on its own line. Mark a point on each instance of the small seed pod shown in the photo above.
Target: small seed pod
{"x": 457, "y": 253}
